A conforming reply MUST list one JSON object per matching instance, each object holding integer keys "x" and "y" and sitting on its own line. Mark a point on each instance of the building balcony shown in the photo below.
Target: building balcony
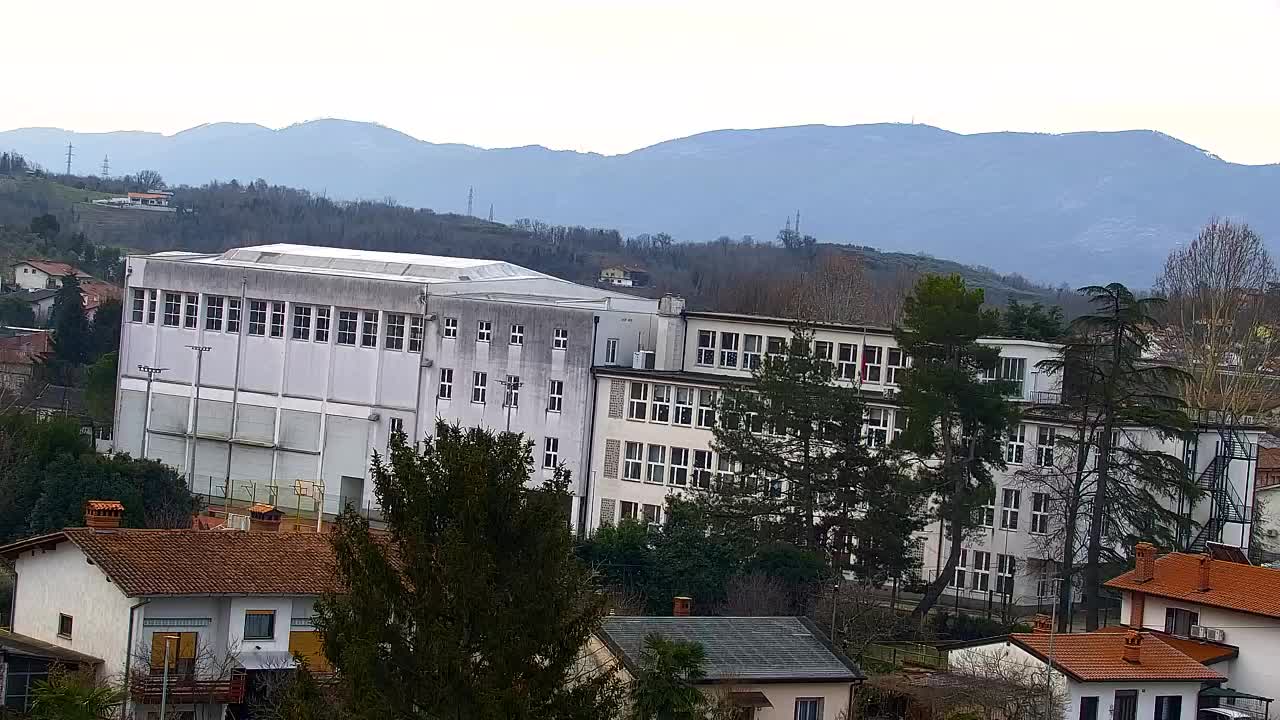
{"x": 147, "y": 689}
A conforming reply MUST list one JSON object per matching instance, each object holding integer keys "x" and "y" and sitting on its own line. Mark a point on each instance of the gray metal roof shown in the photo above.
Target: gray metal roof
{"x": 760, "y": 649}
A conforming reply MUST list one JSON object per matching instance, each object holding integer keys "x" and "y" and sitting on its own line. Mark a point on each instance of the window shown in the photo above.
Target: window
{"x": 1089, "y": 707}
{"x": 479, "y": 387}
{"x": 151, "y": 306}
{"x": 633, "y": 462}
{"x": 369, "y": 330}
{"x": 729, "y": 349}
{"x": 1016, "y": 445}
{"x": 65, "y": 623}
{"x": 233, "y": 315}
{"x": 213, "y": 312}
{"x": 660, "y": 409}
{"x": 657, "y": 464}
{"x": 808, "y": 709}
{"x": 484, "y": 331}
{"x": 1046, "y": 439}
{"x": 347, "y": 327}
{"x": 1006, "y": 567}
{"x": 139, "y": 304}
{"x": 706, "y": 409}
{"x": 823, "y": 351}
{"x": 1126, "y": 705}
{"x": 875, "y": 427}
{"x": 683, "y": 414}
{"x": 397, "y": 426}
{"x": 897, "y": 361}
{"x": 450, "y": 328}
{"x": 179, "y": 648}
{"x": 560, "y": 339}
{"x": 555, "y": 395}
{"x": 511, "y": 391}
{"x": 301, "y": 322}
{"x": 652, "y": 515}
{"x": 551, "y": 453}
{"x": 702, "y": 469}
{"x": 1168, "y": 707}
{"x": 629, "y": 510}
{"x": 446, "y": 384}
{"x": 172, "y": 309}
{"x": 706, "y": 354}
{"x": 1178, "y": 621}
{"x": 1011, "y": 500}
{"x": 962, "y": 565}
{"x": 322, "y": 325}
{"x": 417, "y": 328}
{"x": 987, "y": 515}
{"x": 1009, "y": 369}
{"x": 680, "y": 466}
{"x": 395, "y": 332}
{"x": 899, "y": 422}
{"x": 724, "y": 472}
{"x": 847, "y": 362}
{"x": 776, "y": 346}
{"x": 981, "y": 571}
{"x": 752, "y": 347}
{"x": 517, "y": 334}
{"x": 277, "y": 319}
{"x": 257, "y": 317}
{"x": 638, "y": 405}
{"x": 259, "y": 624}
{"x": 1039, "y": 513}
{"x": 611, "y": 351}
{"x": 872, "y": 356}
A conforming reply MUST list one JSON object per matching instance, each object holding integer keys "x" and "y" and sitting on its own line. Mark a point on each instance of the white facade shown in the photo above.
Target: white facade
{"x": 29, "y": 277}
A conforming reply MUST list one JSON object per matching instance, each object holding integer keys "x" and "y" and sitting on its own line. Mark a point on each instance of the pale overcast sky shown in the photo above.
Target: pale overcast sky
{"x": 612, "y": 76}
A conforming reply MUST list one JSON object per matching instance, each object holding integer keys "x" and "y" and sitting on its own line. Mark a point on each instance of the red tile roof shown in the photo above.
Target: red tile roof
{"x": 103, "y": 505}
{"x": 25, "y": 349}
{"x": 1233, "y": 586}
{"x": 53, "y": 267}
{"x": 1202, "y": 651}
{"x": 1099, "y": 657}
{"x": 201, "y": 562}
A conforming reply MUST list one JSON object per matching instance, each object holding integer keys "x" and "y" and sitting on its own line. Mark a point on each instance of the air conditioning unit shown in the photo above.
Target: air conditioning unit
{"x": 428, "y": 362}
{"x": 1212, "y": 634}
{"x": 237, "y": 522}
{"x": 645, "y": 359}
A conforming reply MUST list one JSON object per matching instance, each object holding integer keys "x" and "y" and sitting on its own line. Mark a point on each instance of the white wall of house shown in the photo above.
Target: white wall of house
{"x": 784, "y": 697}
{"x": 30, "y": 278}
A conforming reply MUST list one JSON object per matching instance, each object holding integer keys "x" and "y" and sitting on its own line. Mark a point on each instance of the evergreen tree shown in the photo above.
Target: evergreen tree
{"x": 665, "y": 688}
{"x": 1032, "y": 322}
{"x": 104, "y": 329}
{"x": 72, "y": 343}
{"x": 956, "y": 422}
{"x": 471, "y": 605}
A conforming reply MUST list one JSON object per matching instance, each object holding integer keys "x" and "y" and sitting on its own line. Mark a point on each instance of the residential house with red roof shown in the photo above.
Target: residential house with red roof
{"x": 43, "y": 274}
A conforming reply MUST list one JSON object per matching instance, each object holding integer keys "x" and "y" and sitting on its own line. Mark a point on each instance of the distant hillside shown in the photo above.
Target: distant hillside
{"x": 1081, "y": 207}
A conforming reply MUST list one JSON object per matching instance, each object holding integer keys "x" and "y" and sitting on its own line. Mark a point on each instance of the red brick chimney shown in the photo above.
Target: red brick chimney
{"x": 103, "y": 513}
{"x": 1145, "y": 563}
{"x": 1205, "y": 563}
{"x": 681, "y": 606}
{"x": 1137, "y": 609}
{"x": 1133, "y": 649}
{"x": 1042, "y": 623}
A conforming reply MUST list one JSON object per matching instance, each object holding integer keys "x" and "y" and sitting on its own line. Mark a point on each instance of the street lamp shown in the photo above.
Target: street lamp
{"x": 510, "y": 397}
{"x": 164, "y": 681}
{"x": 146, "y": 411}
{"x": 200, "y": 350}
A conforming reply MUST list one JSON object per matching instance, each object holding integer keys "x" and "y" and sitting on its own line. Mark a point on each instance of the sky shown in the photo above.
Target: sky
{"x": 611, "y": 76}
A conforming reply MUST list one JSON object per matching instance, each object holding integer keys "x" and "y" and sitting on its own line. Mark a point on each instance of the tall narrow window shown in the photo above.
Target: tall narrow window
{"x": 233, "y": 315}
{"x": 638, "y": 403}
{"x": 139, "y": 305}
{"x": 213, "y": 305}
{"x": 484, "y": 331}
{"x": 652, "y": 515}
{"x": 1089, "y": 707}
{"x": 987, "y": 515}
{"x": 981, "y": 571}
{"x": 872, "y": 356}
{"x": 899, "y": 422}
{"x": 555, "y": 395}
{"x": 277, "y": 319}
{"x": 633, "y": 462}
{"x": 896, "y": 363}
{"x": 1016, "y": 446}
{"x": 257, "y": 317}
{"x": 962, "y": 567}
{"x": 1168, "y": 707}
{"x": 657, "y": 464}
{"x": 450, "y": 328}
{"x": 706, "y": 347}
{"x": 301, "y": 322}
{"x": 395, "y": 332}
{"x": 1039, "y": 513}
{"x": 875, "y": 427}
{"x": 479, "y": 387}
{"x": 560, "y": 339}
{"x": 752, "y": 351}
{"x": 847, "y": 357}
{"x": 683, "y": 411}
{"x": 172, "y": 309}
{"x": 1046, "y": 439}
{"x": 611, "y": 351}
{"x": 446, "y": 384}
{"x": 191, "y": 311}
{"x": 417, "y": 328}
{"x": 1011, "y": 501}
{"x": 1006, "y": 567}
{"x": 511, "y": 391}
{"x": 679, "y": 466}
{"x": 660, "y": 408}
{"x": 322, "y": 325}
{"x": 702, "y": 469}
{"x": 151, "y": 306}
{"x": 517, "y": 335}
{"x": 551, "y": 453}
{"x": 369, "y": 329}
{"x": 706, "y": 409}
{"x": 725, "y": 469}
{"x": 728, "y": 349}
{"x": 347, "y": 321}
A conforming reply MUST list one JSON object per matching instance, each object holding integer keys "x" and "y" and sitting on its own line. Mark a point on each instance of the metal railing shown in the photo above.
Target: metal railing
{"x": 147, "y": 689}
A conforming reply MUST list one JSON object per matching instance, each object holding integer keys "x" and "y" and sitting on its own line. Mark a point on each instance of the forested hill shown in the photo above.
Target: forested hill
{"x": 817, "y": 280}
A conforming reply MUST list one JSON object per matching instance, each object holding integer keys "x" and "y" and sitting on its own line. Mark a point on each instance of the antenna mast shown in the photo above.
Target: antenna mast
{"x": 470, "y": 197}
{"x": 490, "y": 212}
{"x": 69, "y": 153}
{"x": 106, "y": 167}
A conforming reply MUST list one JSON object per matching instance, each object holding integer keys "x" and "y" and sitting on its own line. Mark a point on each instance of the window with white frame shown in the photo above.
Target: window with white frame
{"x": 139, "y": 305}
{"x": 517, "y": 335}
{"x": 257, "y": 317}
{"x": 446, "y": 384}
{"x": 301, "y": 322}
{"x": 824, "y": 351}
{"x": 555, "y": 395}
{"x": 233, "y": 315}
{"x": 702, "y": 469}
{"x": 981, "y": 571}
{"x": 656, "y": 465}
{"x": 277, "y": 319}
{"x": 683, "y": 409}
{"x": 899, "y": 422}
{"x": 369, "y": 329}
{"x": 706, "y": 409}
{"x": 347, "y": 320}
{"x": 560, "y": 339}
{"x": 729, "y": 349}
{"x": 680, "y": 466}
{"x": 652, "y": 515}
{"x": 987, "y": 515}
{"x": 1012, "y": 370}
{"x": 213, "y": 307}
{"x": 808, "y": 709}
{"x": 511, "y": 391}
{"x": 725, "y": 471}
{"x": 1046, "y": 440}
{"x": 706, "y": 354}
{"x": 450, "y": 328}
{"x": 479, "y": 387}
{"x": 484, "y": 331}
{"x": 550, "y": 453}
{"x": 1040, "y": 513}
{"x": 660, "y": 407}
{"x": 633, "y": 461}
{"x": 872, "y": 356}
{"x": 775, "y": 346}
{"x": 1010, "y": 503}
{"x": 191, "y": 312}
{"x": 1016, "y": 445}
{"x": 847, "y": 362}
{"x": 896, "y": 362}
{"x": 395, "y": 332}
{"x": 752, "y": 351}
{"x": 322, "y": 325}
{"x": 611, "y": 351}
{"x": 962, "y": 568}
{"x": 638, "y": 401}
{"x": 628, "y": 510}
{"x": 397, "y": 426}
{"x": 172, "y": 309}
{"x": 875, "y": 426}
{"x": 1006, "y": 568}
{"x": 151, "y": 306}
{"x": 417, "y": 330}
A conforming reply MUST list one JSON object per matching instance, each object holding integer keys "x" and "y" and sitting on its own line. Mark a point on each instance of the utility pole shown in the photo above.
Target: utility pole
{"x": 164, "y": 681}
{"x": 106, "y": 167}
{"x": 200, "y": 350}
{"x": 471, "y": 194}
{"x": 512, "y": 392}
{"x": 1053, "y": 628}
{"x": 69, "y": 154}
{"x": 146, "y": 411}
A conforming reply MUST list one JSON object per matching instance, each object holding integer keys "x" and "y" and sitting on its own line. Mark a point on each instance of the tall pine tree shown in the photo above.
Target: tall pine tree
{"x": 72, "y": 343}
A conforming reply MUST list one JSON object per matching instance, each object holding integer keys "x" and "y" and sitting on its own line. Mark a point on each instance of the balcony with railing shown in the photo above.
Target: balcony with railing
{"x": 147, "y": 689}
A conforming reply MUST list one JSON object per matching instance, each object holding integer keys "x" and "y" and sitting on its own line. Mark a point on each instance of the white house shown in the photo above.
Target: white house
{"x": 42, "y": 274}
{"x": 219, "y": 605}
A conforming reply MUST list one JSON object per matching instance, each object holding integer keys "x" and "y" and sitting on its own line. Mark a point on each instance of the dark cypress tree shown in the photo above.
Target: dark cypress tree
{"x": 72, "y": 343}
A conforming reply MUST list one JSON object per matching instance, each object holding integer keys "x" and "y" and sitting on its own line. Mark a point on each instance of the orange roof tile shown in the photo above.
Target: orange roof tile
{"x": 1099, "y": 657}
{"x": 1202, "y": 651}
{"x": 104, "y": 505}
{"x": 1233, "y": 586}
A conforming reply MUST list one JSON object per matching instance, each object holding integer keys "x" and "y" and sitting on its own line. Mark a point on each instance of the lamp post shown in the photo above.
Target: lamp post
{"x": 164, "y": 680}
{"x": 200, "y": 350}
{"x": 1053, "y": 628}
{"x": 146, "y": 410}
{"x": 510, "y": 396}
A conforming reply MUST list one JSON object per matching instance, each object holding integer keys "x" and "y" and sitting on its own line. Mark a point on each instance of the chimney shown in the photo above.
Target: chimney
{"x": 1145, "y": 563}
{"x": 1133, "y": 649}
{"x": 1205, "y": 563}
{"x": 1042, "y": 623}
{"x": 1137, "y": 609}
{"x": 680, "y": 606}
{"x": 103, "y": 513}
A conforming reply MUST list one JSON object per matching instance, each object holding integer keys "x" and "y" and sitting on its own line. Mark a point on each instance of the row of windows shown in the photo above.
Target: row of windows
{"x": 851, "y": 362}
{"x": 484, "y": 333}
{"x": 1011, "y": 508}
{"x": 675, "y": 466}
{"x": 978, "y": 575}
{"x": 511, "y": 387}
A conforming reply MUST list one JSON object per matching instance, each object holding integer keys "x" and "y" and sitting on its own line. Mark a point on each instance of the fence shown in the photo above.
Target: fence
{"x": 298, "y": 500}
{"x": 896, "y": 655}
